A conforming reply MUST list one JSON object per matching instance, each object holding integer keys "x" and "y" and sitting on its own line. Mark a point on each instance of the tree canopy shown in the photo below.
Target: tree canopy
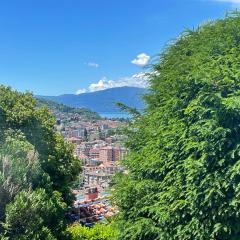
{"x": 183, "y": 178}
{"x": 37, "y": 170}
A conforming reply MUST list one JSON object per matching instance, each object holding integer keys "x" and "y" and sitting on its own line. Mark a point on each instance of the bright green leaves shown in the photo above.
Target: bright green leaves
{"x": 185, "y": 147}
{"x": 98, "y": 232}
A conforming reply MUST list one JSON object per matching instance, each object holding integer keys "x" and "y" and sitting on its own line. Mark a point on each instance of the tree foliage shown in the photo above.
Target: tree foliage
{"x": 37, "y": 170}
{"x": 98, "y": 232}
{"x": 19, "y": 114}
{"x": 35, "y": 215}
{"x": 184, "y": 166}
{"x": 19, "y": 169}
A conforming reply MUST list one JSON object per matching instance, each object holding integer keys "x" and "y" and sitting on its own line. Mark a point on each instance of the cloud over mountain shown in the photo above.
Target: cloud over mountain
{"x": 137, "y": 80}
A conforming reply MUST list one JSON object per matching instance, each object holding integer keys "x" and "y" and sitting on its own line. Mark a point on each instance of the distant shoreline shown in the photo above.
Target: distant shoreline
{"x": 114, "y": 115}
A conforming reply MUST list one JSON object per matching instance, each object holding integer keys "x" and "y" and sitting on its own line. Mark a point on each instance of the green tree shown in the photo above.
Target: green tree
{"x": 37, "y": 170}
{"x": 35, "y": 215}
{"x": 183, "y": 178}
{"x": 98, "y": 232}
{"x": 18, "y": 112}
{"x": 19, "y": 168}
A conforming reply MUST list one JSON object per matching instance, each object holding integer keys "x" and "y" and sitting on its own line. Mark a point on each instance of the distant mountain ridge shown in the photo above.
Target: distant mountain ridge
{"x": 103, "y": 101}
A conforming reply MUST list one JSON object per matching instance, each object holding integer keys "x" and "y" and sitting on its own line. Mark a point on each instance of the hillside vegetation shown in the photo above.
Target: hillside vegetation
{"x": 58, "y": 108}
{"x": 183, "y": 178}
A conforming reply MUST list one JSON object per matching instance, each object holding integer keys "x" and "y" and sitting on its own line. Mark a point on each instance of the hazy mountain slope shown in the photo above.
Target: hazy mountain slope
{"x": 103, "y": 101}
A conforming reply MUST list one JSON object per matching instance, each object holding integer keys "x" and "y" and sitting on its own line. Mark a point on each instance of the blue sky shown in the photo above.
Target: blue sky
{"x": 51, "y": 47}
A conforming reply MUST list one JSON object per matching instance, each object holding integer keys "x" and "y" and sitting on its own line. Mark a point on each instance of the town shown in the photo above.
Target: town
{"x": 99, "y": 151}
{"x": 99, "y": 146}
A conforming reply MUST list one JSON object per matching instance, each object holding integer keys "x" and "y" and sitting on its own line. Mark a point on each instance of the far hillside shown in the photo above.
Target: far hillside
{"x": 103, "y": 101}
{"x": 59, "y": 109}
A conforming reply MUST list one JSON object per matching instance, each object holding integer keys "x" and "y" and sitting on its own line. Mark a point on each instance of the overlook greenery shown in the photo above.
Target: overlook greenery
{"x": 183, "y": 178}
{"x": 37, "y": 170}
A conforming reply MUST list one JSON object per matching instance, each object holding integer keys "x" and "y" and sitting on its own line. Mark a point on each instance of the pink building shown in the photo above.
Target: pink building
{"x": 94, "y": 153}
{"x": 106, "y": 154}
{"x": 111, "y": 154}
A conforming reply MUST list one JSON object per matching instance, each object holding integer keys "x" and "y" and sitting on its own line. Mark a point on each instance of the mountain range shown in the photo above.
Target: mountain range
{"x": 103, "y": 101}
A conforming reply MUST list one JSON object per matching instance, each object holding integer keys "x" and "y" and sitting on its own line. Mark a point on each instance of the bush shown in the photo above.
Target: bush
{"x": 97, "y": 232}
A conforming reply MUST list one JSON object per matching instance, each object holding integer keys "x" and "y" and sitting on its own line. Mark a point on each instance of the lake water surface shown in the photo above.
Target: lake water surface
{"x": 115, "y": 115}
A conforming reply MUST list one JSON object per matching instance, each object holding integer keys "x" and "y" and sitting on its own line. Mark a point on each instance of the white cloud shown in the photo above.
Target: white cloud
{"x": 141, "y": 60}
{"x": 136, "y": 80}
{"x": 80, "y": 91}
{"x": 100, "y": 85}
{"x": 93, "y": 64}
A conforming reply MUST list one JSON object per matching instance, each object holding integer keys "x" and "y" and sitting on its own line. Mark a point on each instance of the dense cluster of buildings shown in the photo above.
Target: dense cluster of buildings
{"x": 99, "y": 147}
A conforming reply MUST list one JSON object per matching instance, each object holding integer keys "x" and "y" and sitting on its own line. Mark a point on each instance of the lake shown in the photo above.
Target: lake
{"x": 114, "y": 115}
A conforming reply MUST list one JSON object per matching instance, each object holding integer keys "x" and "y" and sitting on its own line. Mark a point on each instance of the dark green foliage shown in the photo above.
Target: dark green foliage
{"x": 35, "y": 216}
{"x": 19, "y": 169}
{"x": 37, "y": 125}
{"x": 32, "y": 157}
{"x": 184, "y": 166}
